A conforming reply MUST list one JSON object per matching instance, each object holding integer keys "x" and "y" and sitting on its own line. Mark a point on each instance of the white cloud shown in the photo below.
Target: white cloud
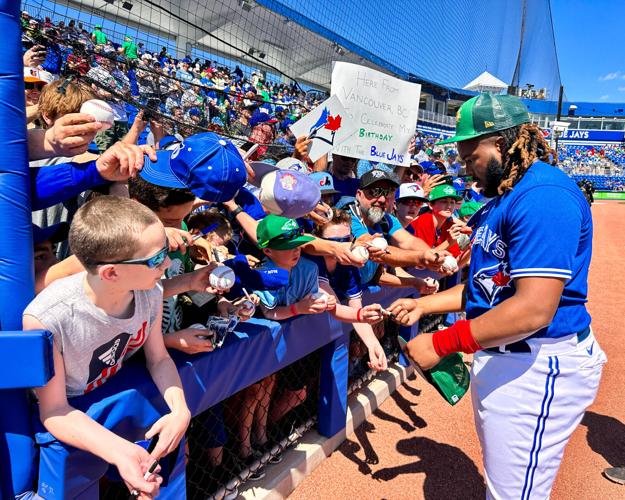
{"x": 610, "y": 76}
{"x": 621, "y": 89}
{"x": 604, "y": 97}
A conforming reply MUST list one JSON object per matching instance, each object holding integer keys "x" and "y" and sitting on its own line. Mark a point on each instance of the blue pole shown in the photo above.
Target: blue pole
{"x": 17, "y": 452}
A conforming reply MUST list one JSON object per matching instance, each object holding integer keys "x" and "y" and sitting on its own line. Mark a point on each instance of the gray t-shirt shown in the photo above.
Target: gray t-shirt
{"x": 94, "y": 345}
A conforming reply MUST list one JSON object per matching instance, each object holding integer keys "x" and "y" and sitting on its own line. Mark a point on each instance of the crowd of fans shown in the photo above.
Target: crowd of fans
{"x": 130, "y": 257}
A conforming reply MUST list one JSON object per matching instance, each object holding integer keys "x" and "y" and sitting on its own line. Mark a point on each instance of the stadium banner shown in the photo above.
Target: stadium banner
{"x": 327, "y": 126}
{"x": 574, "y": 134}
{"x": 384, "y": 108}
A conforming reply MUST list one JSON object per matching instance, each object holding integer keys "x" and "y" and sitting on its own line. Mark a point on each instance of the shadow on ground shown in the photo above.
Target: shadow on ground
{"x": 449, "y": 473}
{"x": 606, "y": 436}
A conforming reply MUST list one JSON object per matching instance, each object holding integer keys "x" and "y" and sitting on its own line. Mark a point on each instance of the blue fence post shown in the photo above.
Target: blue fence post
{"x": 332, "y": 412}
{"x": 17, "y": 452}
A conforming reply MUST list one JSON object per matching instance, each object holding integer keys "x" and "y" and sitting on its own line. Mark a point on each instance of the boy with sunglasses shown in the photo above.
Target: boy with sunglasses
{"x": 99, "y": 319}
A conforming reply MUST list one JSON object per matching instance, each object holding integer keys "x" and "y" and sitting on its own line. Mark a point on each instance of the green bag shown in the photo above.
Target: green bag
{"x": 450, "y": 377}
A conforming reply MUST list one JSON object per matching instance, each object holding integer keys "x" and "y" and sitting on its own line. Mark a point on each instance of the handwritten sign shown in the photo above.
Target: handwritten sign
{"x": 327, "y": 125}
{"x": 384, "y": 109}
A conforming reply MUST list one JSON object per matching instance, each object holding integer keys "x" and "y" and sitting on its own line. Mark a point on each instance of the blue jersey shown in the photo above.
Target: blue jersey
{"x": 303, "y": 280}
{"x": 345, "y": 280}
{"x": 542, "y": 228}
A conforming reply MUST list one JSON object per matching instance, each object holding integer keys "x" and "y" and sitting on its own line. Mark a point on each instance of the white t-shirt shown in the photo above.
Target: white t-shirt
{"x": 94, "y": 345}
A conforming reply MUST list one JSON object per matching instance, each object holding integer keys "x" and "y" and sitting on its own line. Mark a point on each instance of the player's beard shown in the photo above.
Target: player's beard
{"x": 494, "y": 174}
{"x": 374, "y": 214}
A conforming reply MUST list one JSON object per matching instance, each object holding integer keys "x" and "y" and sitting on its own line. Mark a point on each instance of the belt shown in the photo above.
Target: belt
{"x": 523, "y": 347}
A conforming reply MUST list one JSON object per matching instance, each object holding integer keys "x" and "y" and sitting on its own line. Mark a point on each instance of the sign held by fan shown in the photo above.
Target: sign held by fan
{"x": 328, "y": 125}
{"x": 385, "y": 111}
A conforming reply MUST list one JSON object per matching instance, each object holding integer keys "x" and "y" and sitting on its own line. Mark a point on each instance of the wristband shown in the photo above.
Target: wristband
{"x": 358, "y": 317}
{"x": 456, "y": 338}
{"x": 293, "y": 310}
{"x": 236, "y": 212}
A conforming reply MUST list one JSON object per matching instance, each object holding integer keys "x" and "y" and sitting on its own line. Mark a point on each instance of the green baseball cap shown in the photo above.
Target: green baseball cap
{"x": 486, "y": 113}
{"x": 280, "y": 233}
{"x": 443, "y": 191}
{"x": 469, "y": 208}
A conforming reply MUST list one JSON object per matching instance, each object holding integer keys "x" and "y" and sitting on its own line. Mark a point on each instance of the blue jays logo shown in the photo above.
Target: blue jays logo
{"x": 493, "y": 280}
{"x": 326, "y": 127}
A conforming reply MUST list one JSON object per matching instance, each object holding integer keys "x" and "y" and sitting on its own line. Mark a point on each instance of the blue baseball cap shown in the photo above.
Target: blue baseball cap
{"x": 261, "y": 117}
{"x": 54, "y": 233}
{"x": 208, "y": 165}
{"x": 324, "y": 181}
{"x": 430, "y": 168}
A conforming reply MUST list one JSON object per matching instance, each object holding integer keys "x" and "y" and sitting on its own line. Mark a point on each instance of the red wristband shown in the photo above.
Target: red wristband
{"x": 358, "y": 313}
{"x": 293, "y": 310}
{"x": 456, "y": 338}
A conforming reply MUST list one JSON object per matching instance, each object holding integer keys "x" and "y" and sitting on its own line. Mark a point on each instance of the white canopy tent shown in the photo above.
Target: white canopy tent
{"x": 486, "y": 83}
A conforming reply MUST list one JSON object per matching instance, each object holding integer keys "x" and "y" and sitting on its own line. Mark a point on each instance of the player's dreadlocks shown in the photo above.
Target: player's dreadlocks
{"x": 524, "y": 145}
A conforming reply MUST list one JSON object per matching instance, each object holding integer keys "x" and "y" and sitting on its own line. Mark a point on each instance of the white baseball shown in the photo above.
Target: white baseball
{"x": 100, "y": 110}
{"x": 450, "y": 264}
{"x": 222, "y": 278}
{"x": 361, "y": 253}
{"x": 248, "y": 307}
{"x": 379, "y": 243}
{"x": 319, "y": 296}
{"x": 431, "y": 282}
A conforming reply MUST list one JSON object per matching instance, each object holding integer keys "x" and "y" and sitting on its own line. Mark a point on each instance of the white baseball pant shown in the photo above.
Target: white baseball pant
{"x": 526, "y": 406}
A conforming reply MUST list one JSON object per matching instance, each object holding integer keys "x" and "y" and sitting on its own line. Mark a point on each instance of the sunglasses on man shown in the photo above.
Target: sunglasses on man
{"x": 33, "y": 86}
{"x": 151, "y": 262}
{"x": 377, "y": 192}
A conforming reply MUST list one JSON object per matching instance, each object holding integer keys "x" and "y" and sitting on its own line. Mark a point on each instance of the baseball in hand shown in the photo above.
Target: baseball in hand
{"x": 100, "y": 110}
{"x": 379, "y": 243}
{"x": 450, "y": 264}
{"x": 222, "y": 278}
{"x": 247, "y": 308}
{"x": 319, "y": 296}
{"x": 361, "y": 253}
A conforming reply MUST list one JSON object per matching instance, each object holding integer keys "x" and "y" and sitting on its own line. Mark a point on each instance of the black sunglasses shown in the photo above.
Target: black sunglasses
{"x": 340, "y": 239}
{"x": 376, "y": 192}
{"x": 151, "y": 262}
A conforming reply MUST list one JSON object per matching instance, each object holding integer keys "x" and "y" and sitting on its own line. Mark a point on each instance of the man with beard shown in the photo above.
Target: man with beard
{"x": 537, "y": 364}
{"x": 370, "y": 215}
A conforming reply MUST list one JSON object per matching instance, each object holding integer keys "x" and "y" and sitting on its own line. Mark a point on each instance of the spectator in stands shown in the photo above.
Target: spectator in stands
{"x": 44, "y": 241}
{"x": 343, "y": 170}
{"x": 435, "y": 227}
{"x": 408, "y": 202}
{"x": 241, "y": 125}
{"x": 115, "y": 310}
{"x": 452, "y": 165}
{"x": 344, "y": 282}
{"x": 129, "y": 49}
{"x": 97, "y": 36}
{"x": 34, "y": 81}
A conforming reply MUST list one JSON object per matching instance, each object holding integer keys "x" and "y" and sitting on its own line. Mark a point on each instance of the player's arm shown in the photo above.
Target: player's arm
{"x": 408, "y": 311}
{"x": 77, "y": 429}
{"x": 170, "y": 427}
{"x": 530, "y": 309}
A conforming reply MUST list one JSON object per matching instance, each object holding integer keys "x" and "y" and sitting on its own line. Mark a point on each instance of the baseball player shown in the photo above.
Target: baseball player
{"x": 537, "y": 364}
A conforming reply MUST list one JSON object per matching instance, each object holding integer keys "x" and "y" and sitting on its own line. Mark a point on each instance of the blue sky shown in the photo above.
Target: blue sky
{"x": 590, "y": 39}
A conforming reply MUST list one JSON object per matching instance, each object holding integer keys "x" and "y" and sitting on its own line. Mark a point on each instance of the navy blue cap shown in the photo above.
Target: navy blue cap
{"x": 54, "y": 233}
{"x": 208, "y": 165}
{"x": 430, "y": 168}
